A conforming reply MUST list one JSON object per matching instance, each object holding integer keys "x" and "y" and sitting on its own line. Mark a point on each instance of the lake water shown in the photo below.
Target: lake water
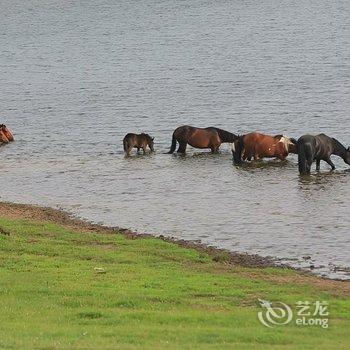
{"x": 77, "y": 76}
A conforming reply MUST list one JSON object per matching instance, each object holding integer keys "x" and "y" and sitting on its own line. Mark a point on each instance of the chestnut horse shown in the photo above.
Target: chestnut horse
{"x": 6, "y": 132}
{"x": 138, "y": 141}
{"x": 262, "y": 146}
{"x": 210, "y": 137}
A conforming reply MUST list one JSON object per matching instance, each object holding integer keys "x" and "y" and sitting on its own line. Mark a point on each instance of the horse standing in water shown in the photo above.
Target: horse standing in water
{"x": 138, "y": 141}
{"x": 262, "y": 146}
{"x": 6, "y": 132}
{"x": 210, "y": 137}
{"x": 319, "y": 147}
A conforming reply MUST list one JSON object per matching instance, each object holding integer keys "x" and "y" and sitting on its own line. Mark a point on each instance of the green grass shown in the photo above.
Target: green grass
{"x": 64, "y": 289}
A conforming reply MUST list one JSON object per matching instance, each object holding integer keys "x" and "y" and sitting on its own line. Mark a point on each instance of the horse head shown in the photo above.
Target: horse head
{"x": 347, "y": 156}
{"x": 150, "y": 142}
{"x": 293, "y": 146}
{"x": 290, "y": 144}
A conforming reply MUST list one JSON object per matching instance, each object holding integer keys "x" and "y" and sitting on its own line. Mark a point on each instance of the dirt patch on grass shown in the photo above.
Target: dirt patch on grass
{"x": 223, "y": 258}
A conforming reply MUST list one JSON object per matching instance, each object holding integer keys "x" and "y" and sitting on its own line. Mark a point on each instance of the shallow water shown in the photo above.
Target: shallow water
{"x": 75, "y": 77}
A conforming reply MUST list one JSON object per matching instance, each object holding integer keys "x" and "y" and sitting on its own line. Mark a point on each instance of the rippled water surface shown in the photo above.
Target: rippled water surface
{"x": 76, "y": 76}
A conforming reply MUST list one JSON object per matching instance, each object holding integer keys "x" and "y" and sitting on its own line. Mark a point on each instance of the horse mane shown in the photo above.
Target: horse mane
{"x": 338, "y": 146}
{"x": 146, "y": 136}
{"x": 286, "y": 142}
{"x": 224, "y": 135}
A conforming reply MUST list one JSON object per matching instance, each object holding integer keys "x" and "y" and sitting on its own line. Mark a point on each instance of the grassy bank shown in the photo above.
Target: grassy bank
{"x": 70, "y": 285}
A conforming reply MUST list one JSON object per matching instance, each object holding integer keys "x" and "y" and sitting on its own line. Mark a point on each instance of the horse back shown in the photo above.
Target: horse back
{"x": 257, "y": 142}
{"x": 265, "y": 145}
{"x": 321, "y": 145}
{"x": 204, "y": 138}
{"x": 129, "y": 136}
{"x": 132, "y": 140}
{"x": 183, "y": 132}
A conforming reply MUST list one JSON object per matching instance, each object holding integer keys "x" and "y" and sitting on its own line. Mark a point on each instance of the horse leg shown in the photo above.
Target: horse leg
{"x": 182, "y": 147}
{"x": 318, "y": 163}
{"x": 328, "y": 160}
{"x": 216, "y": 145}
{"x": 138, "y": 150}
{"x": 246, "y": 155}
{"x": 144, "y": 149}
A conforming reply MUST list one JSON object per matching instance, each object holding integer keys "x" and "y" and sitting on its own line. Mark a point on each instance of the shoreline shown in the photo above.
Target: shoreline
{"x": 69, "y": 220}
{"x": 227, "y": 257}
{"x": 70, "y": 284}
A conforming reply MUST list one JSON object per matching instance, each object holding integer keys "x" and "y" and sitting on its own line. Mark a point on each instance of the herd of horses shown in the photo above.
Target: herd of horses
{"x": 309, "y": 148}
{"x": 248, "y": 147}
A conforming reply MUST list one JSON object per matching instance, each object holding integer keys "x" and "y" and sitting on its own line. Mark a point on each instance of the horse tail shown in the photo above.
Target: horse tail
{"x": 304, "y": 158}
{"x": 237, "y": 150}
{"x": 173, "y": 144}
{"x": 125, "y": 145}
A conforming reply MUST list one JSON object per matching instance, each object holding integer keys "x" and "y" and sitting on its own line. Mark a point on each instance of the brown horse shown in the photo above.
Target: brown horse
{"x": 262, "y": 146}
{"x": 5, "y": 134}
{"x": 138, "y": 141}
{"x": 200, "y": 138}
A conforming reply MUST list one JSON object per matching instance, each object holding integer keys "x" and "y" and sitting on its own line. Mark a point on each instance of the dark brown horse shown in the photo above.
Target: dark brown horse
{"x": 138, "y": 141}
{"x": 255, "y": 145}
{"x": 200, "y": 138}
{"x": 5, "y": 131}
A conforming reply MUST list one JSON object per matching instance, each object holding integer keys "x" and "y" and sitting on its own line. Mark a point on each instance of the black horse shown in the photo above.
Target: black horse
{"x": 319, "y": 147}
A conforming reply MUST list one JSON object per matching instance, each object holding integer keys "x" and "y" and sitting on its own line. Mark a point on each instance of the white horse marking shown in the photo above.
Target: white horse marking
{"x": 286, "y": 142}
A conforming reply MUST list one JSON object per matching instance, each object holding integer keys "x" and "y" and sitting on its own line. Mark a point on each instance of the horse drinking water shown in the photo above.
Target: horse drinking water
{"x": 138, "y": 141}
{"x": 210, "y": 137}
{"x": 262, "y": 146}
{"x": 319, "y": 147}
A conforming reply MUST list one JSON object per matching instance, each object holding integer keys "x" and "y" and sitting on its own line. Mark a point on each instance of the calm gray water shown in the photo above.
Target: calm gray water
{"x": 76, "y": 76}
